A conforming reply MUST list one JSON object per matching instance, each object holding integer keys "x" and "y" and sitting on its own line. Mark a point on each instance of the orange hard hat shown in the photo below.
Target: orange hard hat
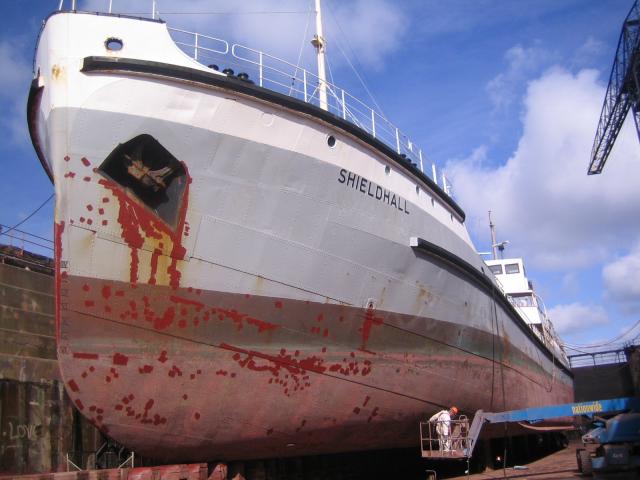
{"x": 454, "y": 409}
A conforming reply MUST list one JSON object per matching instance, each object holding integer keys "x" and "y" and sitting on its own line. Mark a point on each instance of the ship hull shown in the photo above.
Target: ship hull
{"x": 236, "y": 376}
{"x": 275, "y": 306}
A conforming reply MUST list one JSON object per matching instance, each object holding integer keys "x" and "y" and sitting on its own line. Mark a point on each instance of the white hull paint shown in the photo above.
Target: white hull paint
{"x": 278, "y": 227}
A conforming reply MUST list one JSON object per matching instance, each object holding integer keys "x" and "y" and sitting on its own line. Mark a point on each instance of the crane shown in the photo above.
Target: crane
{"x": 623, "y": 91}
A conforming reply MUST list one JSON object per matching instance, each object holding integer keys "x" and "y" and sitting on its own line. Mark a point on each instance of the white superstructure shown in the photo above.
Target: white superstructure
{"x": 512, "y": 278}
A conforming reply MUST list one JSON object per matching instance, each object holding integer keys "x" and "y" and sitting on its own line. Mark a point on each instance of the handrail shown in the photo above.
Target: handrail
{"x": 292, "y": 80}
{"x": 340, "y": 103}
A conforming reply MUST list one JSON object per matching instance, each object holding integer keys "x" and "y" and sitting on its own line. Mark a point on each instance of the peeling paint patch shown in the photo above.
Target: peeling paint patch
{"x": 120, "y": 359}
{"x": 85, "y": 356}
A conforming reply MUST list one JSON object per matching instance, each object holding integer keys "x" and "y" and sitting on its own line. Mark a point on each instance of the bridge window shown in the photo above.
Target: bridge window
{"x": 512, "y": 268}
{"x": 496, "y": 269}
{"x": 521, "y": 300}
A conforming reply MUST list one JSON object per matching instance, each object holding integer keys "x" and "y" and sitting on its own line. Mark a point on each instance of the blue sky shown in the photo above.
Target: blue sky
{"x": 505, "y": 95}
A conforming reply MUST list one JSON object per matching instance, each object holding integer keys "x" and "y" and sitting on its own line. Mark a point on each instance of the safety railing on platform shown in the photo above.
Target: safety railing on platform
{"x": 602, "y": 357}
{"x": 445, "y": 439}
{"x": 25, "y": 250}
{"x": 292, "y": 80}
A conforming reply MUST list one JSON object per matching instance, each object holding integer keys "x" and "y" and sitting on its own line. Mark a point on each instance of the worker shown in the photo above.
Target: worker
{"x": 442, "y": 420}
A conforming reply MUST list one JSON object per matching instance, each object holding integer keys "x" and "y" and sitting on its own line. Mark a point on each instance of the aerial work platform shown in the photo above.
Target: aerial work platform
{"x": 463, "y": 437}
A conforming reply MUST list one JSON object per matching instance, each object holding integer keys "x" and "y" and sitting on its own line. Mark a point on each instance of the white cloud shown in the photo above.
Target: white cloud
{"x": 622, "y": 280}
{"x": 590, "y": 49}
{"x": 568, "y": 319}
{"x": 541, "y": 198}
{"x": 570, "y": 283}
{"x": 373, "y": 27}
{"x": 522, "y": 62}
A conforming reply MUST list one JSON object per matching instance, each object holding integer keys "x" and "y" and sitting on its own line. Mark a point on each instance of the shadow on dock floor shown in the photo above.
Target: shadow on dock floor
{"x": 559, "y": 465}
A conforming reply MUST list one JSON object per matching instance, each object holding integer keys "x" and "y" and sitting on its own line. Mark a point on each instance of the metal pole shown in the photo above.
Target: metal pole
{"x": 110, "y": 5}
{"x": 73, "y": 5}
{"x": 318, "y": 42}
{"x": 494, "y": 245}
{"x": 304, "y": 82}
{"x": 433, "y": 172}
{"x": 195, "y": 47}
{"x": 344, "y": 106}
{"x": 398, "y": 140}
{"x": 421, "y": 166}
{"x": 261, "y": 73}
{"x": 373, "y": 123}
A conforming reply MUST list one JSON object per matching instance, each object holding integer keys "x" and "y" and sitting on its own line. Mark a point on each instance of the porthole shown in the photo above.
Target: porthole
{"x": 387, "y": 169}
{"x": 331, "y": 141}
{"x": 113, "y": 44}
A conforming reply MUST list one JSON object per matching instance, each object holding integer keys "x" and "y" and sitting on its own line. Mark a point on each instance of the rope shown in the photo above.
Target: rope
{"x": 257, "y": 12}
{"x": 304, "y": 39}
{"x": 577, "y": 347}
{"x": 494, "y": 317}
{"x": 335, "y": 18}
{"x": 30, "y": 215}
{"x": 26, "y": 233}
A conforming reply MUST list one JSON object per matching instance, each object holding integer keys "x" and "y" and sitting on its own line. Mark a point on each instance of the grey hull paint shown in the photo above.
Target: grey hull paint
{"x": 278, "y": 224}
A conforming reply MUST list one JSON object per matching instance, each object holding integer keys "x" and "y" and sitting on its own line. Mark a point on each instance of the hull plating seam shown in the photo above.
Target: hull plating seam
{"x": 268, "y": 357}
{"x": 482, "y": 280}
{"x": 96, "y": 64}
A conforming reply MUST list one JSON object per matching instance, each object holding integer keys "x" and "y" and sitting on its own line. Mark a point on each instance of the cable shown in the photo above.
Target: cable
{"x": 577, "y": 347}
{"x": 26, "y": 233}
{"x": 30, "y": 215}
{"x": 351, "y": 65}
{"x": 493, "y": 344}
{"x": 30, "y": 242}
{"x": 304, "y": 39}
{"x": 287, "y": 12}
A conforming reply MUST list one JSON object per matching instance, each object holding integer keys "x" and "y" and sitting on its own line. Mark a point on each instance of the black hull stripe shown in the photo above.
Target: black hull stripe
{"x": 97, "y": 64}
{"x": 33, "y": 106}
{"x": 480, "y": 279}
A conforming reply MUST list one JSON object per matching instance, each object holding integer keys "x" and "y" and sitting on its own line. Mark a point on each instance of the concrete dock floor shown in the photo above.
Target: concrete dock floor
{"x": 557, "y": 466}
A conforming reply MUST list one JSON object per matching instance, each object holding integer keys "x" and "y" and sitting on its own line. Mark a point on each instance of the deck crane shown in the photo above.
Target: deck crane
{"x": 623, "y": 91}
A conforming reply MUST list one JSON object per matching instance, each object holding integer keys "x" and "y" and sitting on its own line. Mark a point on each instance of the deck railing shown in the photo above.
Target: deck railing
{"x": 284, "y": 77}
{"x": 292, "y": 80}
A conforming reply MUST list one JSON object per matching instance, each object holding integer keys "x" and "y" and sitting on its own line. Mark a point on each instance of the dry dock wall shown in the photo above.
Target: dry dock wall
{"x": 613, "y": 380}
{"x": 38, "y": 425}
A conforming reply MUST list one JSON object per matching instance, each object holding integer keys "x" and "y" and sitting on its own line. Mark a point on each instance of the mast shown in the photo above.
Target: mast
{"x": 494, "y": 244}
{"x": 318, "y": 43}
